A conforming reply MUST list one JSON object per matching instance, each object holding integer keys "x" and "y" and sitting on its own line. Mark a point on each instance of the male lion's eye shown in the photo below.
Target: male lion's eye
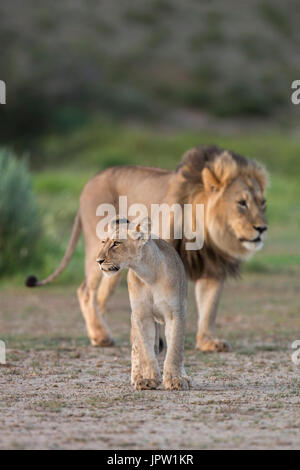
{"x": 116, "y": 244}
{"x": 242, "y": 203}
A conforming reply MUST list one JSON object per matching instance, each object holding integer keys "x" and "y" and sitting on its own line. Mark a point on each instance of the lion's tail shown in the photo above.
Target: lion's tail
{"x": 32, "y": 281}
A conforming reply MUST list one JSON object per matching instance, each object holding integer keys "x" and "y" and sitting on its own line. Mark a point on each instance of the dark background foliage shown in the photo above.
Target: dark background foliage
{"x": 97, "y": 83}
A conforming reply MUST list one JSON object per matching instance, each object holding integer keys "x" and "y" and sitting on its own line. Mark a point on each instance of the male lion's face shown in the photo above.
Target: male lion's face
{"x": 236, "y": 211}
{"x": 121, "y": 248}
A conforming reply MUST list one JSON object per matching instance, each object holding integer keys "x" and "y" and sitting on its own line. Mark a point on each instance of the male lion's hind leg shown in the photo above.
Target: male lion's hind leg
{"x": 97, "y": 330}
{"x": 213, "y": 345}
{"x": 208, "y": 292}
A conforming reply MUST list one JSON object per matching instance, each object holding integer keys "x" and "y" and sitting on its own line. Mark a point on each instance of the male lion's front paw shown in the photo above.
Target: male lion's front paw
{"x": 103, "y": 342}
{"x": 213, "y": 345}
{"x": 145, "y": 384}
{"x": 178, "y": 383}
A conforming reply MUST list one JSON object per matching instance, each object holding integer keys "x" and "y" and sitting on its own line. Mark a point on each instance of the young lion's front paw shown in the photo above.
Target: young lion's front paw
{"x": 178, "y": 383}
{"x": 146, "y": 384}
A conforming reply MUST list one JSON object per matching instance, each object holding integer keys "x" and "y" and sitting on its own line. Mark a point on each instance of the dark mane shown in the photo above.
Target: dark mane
{"x": 194, "y": 160}
{"x": 209, "y": 261}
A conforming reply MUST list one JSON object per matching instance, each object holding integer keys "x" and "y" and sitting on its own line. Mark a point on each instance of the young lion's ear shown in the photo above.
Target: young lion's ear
{"x": 142, "y": 230}
{"x": 210, "y": 182}
{"x": 145, "y": 226}
{"x": 116, "y": 222}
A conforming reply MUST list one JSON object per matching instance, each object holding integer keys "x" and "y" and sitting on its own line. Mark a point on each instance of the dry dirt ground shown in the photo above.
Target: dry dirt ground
{"x": 57, "y": 392}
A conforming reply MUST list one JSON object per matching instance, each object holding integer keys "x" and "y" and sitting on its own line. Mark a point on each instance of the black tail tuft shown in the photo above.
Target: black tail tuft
{"x": 31, "y": 281}
{"x": 161, "y": 345}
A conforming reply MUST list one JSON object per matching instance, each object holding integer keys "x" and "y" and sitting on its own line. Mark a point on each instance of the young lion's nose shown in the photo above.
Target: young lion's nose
{"x": 100, "y": 260}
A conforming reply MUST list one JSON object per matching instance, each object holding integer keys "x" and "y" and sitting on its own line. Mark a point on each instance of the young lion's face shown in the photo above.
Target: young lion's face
{"x": 117, "y": 253}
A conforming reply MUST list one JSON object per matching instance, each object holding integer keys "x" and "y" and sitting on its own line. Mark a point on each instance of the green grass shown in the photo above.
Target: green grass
{"x": 28, "y": 343}
{"x": 69, "y": 161}
{"x": 102, "y": 144}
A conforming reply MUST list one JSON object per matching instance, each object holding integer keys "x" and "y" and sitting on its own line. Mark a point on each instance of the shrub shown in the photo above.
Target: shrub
{"x": 19, "y": 216}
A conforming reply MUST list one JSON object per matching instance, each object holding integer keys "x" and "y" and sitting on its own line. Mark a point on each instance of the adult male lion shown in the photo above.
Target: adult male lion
{"x": 231, "y": 188}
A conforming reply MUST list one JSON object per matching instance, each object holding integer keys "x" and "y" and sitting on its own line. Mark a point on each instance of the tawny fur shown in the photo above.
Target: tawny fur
{"x": 207, "y": 175}
{"x": 157, "y": 291}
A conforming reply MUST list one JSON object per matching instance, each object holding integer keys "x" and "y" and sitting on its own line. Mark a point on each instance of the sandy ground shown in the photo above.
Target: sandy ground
{"x": 57, "y": 392}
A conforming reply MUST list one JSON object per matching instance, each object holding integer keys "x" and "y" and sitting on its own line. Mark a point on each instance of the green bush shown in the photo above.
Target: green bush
{"x": 19, "y": 216}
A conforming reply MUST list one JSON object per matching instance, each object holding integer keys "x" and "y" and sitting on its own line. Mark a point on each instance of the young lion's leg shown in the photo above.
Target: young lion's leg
{"x": 208, "y": 292}
{"x": 97, "y": 329}
{"x": 145, "y": 370}
{"x": 136, "y": 366}
{"x": 174, "y": 377}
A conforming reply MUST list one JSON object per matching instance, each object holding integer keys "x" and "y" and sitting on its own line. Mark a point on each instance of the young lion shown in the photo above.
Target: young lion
{"x": 157, "y": 291}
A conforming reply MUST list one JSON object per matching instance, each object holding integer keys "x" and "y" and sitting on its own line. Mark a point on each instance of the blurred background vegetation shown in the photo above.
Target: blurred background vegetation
{"x": 94, "y": 83}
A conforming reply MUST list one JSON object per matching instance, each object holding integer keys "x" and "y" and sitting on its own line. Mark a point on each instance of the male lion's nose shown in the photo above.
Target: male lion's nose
{"x": 100, "y": 260}
{"x": 260, "y": 228}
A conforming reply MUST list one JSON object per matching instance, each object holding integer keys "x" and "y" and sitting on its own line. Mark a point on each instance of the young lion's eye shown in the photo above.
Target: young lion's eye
{"x": 243, "y": 203}
{"x": 116, "y": 244}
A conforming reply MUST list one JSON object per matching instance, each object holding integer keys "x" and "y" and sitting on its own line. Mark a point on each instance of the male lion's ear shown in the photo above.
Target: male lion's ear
{"x": 262, "y": 176}
{"x": 225, "y": 168}
{"x": 210, "y": 182}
